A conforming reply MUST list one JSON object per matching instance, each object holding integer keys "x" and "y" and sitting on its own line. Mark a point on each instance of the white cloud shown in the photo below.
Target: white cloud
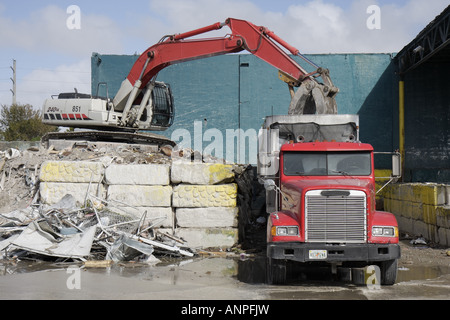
{"x": 46, "y": 31}
{"x": 41, "y": 84}
{"x": 316, "y": 26}
{"x": 43, "y": 38}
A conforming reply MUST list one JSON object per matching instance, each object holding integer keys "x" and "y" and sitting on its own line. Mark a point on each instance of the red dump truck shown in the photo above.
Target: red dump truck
{"x": 320, "y": 197}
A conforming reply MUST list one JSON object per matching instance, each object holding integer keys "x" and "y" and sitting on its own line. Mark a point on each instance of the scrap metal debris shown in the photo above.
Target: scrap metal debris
{"x": 99, "y": 230}
{"x": 66, "y": 231}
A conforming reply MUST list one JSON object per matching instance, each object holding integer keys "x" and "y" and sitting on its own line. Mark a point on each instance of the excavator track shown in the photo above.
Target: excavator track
{"x": 110, "y": 136}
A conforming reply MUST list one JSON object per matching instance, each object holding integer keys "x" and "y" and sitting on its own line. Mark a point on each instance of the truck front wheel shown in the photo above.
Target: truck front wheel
{"x": 276, "y": 271}
{"x": 389, "y": 272}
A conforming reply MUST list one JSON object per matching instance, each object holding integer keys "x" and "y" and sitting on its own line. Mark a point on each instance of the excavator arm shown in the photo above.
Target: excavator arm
{"x": 311, "y": 97}
{"x": 142, "y": 103}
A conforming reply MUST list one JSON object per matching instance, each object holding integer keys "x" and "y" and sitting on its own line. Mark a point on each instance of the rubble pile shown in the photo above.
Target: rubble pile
{"x": 119, "y": 203}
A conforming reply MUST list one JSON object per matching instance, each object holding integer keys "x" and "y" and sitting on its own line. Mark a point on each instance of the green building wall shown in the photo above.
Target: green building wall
{"x": 231, "y": 92}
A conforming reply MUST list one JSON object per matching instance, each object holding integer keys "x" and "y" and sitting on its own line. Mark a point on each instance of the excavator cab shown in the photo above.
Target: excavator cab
{"x": 162, "y": 107}
{"x": 152, "y": 110}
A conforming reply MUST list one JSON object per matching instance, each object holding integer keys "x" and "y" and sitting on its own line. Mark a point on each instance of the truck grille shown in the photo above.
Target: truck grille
{"x": 335, "y": 216}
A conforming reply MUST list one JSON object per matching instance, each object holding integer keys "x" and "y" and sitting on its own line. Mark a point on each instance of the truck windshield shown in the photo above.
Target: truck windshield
{"x": 327, "y": 163}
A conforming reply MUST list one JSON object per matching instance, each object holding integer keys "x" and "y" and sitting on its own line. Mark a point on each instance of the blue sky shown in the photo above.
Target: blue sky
{"x": 51, "y": 58}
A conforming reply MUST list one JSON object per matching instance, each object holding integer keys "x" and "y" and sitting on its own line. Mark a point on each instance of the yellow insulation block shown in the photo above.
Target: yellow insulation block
{"x": 425, "y": 193}
{"x": 190, "y": 196}
{"x": 52, "y": 192}
{"x": 71, "y": 171}
{"x": 141, "y": 196}
{"x": 201, "y": 173}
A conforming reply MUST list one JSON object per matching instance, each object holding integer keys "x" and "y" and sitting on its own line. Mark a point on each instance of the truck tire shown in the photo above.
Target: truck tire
{"x": 389, "y": 272}
{"x": 276, "y": 271}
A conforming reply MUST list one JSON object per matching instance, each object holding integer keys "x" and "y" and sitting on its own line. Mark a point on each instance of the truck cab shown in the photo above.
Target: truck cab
{"x": 321, "y": 198}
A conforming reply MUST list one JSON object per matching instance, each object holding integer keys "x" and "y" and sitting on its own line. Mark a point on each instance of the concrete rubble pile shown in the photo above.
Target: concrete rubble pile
{"x": 120, "y": 203}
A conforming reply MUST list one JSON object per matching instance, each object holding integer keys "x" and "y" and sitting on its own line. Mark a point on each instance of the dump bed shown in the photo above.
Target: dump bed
{"x": 280, "y": 129}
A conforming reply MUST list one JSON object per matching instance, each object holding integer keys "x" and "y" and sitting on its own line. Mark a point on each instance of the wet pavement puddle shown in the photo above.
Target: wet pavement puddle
{"x": 249, "y": 271}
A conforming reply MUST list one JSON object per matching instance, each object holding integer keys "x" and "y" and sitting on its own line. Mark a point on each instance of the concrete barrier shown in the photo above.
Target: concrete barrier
{"x": 195, "y": 201}
{"x": 186, "y": 195}
{"x": 52, "y": 192}
{"x": 71, "y": 171}
{"x": 159, "y": 216}
{"x": 141, "y": 196}
{"x": 207, "y": 217}
{"x": 202, "y": 238}
{"x": 420, "y": 209}
{"x": 201, "y": 173}
{"x": 138, "y": 174}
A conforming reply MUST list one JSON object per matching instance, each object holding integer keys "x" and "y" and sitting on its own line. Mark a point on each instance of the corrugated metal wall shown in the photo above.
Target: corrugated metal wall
{"x": 427, "y": 123}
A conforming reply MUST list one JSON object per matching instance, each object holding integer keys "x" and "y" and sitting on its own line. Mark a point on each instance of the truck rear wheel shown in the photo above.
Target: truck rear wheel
{"x": 276, "y": 271}
{"x": 389, "y": 272}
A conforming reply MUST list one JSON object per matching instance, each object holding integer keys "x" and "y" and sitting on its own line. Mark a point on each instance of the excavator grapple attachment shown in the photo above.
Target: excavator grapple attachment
{"x": 313, "y": 97}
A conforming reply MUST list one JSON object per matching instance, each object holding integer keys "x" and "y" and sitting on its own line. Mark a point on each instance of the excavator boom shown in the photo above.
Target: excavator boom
{"x": 135, "y": 104}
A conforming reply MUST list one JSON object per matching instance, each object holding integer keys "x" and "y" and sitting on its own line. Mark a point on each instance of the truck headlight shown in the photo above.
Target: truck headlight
{"x": 379, "y": 231}
{"x": 285, "y": 231}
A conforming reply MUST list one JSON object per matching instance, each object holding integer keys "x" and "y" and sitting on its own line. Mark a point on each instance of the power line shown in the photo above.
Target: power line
{"x": 53, "y": 81}
{"x": 53, "y": 70}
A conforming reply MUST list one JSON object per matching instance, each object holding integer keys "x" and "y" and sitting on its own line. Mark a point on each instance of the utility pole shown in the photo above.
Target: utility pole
{"x": 13, "y": 79}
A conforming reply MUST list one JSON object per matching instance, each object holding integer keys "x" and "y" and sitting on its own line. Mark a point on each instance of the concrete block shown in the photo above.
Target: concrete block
{"x": 429, "y": 213}
{"x": 429, "y": 231}
{"x": 138, "y": 174}
{"x": 71, "y": 171}
{"x": 141, "y": 196}
{"x": 162, "y": 216}
{"x": 185, "y": 195}
{"x": 202, "y": 238}
{"x": 207, "y": 217}
{"x": 444, "y": 236}
{"x": 52, "y": 192}
{"x": 201, "y": 173}
{"x": 447, "y": 195}
{"x": 415, "y": 210}
{"x": 388, "y": 204}
{"x": 443, "y": 216}
{"x": 405, "y": 224}
{"x": 426, "y": 193}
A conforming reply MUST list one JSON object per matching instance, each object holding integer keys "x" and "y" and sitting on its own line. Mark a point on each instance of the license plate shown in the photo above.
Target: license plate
{"x": 317, "y": 254}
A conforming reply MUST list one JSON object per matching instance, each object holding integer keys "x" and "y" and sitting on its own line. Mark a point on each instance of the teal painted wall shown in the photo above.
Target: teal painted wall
{"x": 238, "y": 91}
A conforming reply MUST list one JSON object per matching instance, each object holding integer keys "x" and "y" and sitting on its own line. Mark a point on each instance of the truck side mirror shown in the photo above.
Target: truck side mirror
{"x": 396, "y": 165}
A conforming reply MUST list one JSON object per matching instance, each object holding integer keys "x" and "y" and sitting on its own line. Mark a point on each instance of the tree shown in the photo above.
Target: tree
{"x": 22, "y": 123}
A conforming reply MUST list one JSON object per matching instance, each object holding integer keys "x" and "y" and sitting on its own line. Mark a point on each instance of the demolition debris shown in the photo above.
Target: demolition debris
{"x": 97, "y": 229}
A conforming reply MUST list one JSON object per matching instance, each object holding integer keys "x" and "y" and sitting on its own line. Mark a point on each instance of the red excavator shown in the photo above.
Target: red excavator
{"x": 142, "y": 103}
